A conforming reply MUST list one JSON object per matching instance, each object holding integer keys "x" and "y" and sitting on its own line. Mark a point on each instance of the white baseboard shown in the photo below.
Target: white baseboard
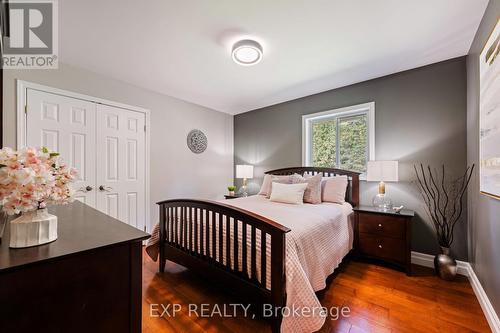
{"x": 464, "y": 268}
{"x": 427, "y": 260}
{"x": 484, "y": 301}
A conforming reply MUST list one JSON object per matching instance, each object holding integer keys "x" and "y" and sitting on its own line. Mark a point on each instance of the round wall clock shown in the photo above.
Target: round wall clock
{"x": 197, "y": 141}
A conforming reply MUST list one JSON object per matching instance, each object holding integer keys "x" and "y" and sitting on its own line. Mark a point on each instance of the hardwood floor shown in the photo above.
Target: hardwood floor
{"x": 380, "y": 300}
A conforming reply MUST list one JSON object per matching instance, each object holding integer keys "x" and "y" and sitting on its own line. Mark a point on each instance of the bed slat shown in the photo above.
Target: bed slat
{"x": 176, "y": 222}
{"x": 190, "y": 230}
{"x": 196, "y": 233}
{"x": 235, "y": 245}
{"x": 244, "y": 267}
{"x": 228, "y": 241}
{"x": 220, "y": 241}
{"x": 214, "y": 237}
{"x": 263, "y": 257}
{"x": 253, "y": 254}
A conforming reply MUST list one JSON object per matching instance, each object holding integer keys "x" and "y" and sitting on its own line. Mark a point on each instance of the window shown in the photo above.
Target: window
{"x": 341, "y": 138}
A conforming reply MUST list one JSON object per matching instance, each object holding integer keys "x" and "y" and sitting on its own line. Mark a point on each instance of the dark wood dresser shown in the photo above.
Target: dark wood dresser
{"x": 88, "y": 280}
{"x": 384, "y": 235}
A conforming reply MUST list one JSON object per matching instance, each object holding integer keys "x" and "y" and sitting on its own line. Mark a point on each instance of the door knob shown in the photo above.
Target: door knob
{"x": 86, "y": 189}
{"x": 103, "y": 188}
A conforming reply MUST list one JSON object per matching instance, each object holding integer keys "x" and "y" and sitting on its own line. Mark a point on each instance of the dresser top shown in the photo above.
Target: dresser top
{"x": 376, "y": 210}
{"x": 79, "y": 228}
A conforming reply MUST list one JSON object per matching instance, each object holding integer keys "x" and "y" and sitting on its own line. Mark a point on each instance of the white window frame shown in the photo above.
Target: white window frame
{"x": 307, "y": 121}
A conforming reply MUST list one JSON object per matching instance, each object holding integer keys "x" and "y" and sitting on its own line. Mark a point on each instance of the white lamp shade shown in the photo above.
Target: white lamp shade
{"x": 382, "y": 171}
{"x": 244, "y": 171}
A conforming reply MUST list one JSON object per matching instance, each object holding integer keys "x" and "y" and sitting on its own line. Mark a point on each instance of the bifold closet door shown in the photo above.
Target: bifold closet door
{"x": 121, "y": 164}
{"x": 66, "y": 125}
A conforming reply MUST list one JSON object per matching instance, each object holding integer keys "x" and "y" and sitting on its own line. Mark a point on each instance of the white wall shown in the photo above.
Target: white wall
{"x": 175, "y": 171}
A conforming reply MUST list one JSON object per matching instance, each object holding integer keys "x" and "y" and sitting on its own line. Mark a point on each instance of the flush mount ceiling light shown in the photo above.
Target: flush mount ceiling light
{"x": 247, "y": 52}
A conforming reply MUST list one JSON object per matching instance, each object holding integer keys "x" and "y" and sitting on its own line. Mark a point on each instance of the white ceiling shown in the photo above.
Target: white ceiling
{"x": 181, "y": 48}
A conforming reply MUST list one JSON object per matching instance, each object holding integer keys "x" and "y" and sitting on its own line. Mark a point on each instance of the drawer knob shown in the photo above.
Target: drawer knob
{"x": 380, "y": 246}
{"x": 380, "y": 225}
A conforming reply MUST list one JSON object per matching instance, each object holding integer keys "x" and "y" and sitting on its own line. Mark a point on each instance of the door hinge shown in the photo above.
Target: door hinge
{"x": 144, "y": 128}
{"x": 26, "y": 109}
{"x": 144, "y": 228}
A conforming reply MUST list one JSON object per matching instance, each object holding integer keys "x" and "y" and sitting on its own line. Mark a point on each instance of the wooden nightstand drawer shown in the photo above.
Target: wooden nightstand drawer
{"x": 382, "y": 247}
{"x": 384, "y": 235}
{"x": 377, "y": 224}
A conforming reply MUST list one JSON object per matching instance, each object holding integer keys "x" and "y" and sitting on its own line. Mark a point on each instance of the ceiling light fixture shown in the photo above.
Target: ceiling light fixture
{"x": 247, "y": 52}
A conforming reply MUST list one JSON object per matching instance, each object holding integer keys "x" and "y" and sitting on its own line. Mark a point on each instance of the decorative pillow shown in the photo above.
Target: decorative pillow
{"x": 313, "y": 191}
{"x": 334, "y": 188}
{"x": 265, "y": 189}
{"x": 266, "y": 185}
{"x": 288, "y": 193}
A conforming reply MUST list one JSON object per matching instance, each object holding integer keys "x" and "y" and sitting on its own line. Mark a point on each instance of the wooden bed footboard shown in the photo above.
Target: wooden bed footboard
{"x": 209, "y": 237}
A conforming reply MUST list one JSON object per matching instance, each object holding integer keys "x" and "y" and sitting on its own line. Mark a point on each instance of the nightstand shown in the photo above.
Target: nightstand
{"x": 384, "y": 235}
{"x": 227, "y": 196}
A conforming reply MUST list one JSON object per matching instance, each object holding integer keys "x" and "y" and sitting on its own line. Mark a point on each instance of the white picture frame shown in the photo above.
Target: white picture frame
{"x": 489, "y": 116}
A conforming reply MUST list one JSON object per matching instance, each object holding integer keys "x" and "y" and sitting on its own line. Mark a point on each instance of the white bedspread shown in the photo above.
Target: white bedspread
{"x": 320, "y": 238}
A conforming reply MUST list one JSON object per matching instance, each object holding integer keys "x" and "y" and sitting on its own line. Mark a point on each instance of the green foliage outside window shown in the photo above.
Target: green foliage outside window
{"x": 353, "y": 143}
{"x": 324, "y": 135}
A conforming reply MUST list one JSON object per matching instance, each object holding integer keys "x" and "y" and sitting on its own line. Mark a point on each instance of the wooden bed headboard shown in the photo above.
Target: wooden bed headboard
{"x": 352, "y": 193}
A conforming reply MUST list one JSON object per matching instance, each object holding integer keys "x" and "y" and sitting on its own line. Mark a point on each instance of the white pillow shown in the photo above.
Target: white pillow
{"x": 334, "y": 188}
{"x": 288, "y": 193}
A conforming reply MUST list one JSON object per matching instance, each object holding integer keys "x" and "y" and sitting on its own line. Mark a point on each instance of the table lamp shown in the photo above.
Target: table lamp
{"x": 244, "y": 171}
{"x": 382, "y": 171}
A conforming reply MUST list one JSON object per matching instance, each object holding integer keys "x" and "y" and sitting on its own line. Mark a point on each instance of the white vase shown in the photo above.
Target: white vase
{"x": 33, "y": 228}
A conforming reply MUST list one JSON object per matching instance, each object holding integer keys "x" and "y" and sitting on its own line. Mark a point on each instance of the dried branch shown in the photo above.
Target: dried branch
{"x": 426, "y": 195}
{"x": 444, "y": 202}
{"x": 438, "y": 194}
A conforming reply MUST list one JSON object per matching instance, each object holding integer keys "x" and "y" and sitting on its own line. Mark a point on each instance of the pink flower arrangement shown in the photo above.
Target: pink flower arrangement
{"x": 32, "y": 178}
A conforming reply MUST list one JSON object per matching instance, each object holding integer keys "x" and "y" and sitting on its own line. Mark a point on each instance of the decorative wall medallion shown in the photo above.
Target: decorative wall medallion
{"x": 197, "y": 141}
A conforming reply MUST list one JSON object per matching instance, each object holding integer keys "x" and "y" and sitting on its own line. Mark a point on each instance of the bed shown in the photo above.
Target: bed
{"x": 270, "y": 253}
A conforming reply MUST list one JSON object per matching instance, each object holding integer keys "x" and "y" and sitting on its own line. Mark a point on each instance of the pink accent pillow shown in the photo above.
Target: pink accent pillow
{"x": 334, "y": 189}
{"x": 265, "y": 189}
{"x": 312, "y": 193}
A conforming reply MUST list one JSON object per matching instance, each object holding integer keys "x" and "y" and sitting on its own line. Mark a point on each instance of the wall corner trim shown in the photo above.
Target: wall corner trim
{"x": 465, "y": 269}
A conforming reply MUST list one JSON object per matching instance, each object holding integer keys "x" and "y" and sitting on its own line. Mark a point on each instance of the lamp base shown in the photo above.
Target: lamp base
{"x": 244, "y": 192}
{"x": 244, "y": 188}
{"x": 382, "y": 202}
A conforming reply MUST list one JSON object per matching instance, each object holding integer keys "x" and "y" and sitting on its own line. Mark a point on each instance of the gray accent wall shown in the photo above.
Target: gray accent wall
{"x": 420, "y": 117}
{"x": 484, "y": 212}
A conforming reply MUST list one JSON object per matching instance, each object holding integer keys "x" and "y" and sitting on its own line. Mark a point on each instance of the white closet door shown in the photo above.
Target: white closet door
{"x": 66, "y": 125}
{"x": 121, "y": 164}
